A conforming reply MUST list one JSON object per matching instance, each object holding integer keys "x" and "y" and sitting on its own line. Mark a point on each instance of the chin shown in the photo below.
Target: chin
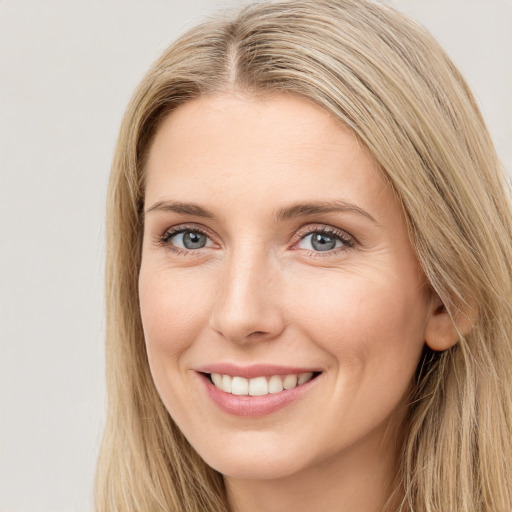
{"x": 259, "y": 465}
{"x": 261, "y": 470}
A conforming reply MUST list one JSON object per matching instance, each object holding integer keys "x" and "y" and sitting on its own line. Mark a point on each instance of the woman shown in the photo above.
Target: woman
{"x": 308, "y": 275}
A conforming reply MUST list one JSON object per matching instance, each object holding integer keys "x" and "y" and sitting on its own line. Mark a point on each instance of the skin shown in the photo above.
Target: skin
{"x": 259, "y": 291}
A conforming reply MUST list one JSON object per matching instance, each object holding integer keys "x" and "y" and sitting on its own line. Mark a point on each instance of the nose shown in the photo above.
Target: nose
{"x": 246, "y": 305}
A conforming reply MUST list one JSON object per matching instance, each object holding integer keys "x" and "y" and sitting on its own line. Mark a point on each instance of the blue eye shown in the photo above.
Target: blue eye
{"x": 322, "y": 240}
{"x": 328, "y": 241}
{"x": 186, "y": 239}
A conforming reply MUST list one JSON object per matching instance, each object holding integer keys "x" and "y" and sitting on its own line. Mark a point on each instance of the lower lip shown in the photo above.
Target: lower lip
{"x": 255, "y": 406}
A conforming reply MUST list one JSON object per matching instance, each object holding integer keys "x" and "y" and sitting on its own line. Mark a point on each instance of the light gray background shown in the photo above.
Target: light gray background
{"x": 67, "y": 69}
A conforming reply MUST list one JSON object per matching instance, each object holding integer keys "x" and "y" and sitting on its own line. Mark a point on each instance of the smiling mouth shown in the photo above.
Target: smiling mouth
{"x": 259, "y": 386}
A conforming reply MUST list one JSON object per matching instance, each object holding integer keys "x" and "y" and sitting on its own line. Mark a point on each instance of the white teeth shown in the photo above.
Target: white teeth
{"x": 217, "y": 380}
{"x": 259, "y": 386}
{"x": 304, "y": 377}
{"x": 290, "y": 382}
{"x": 226, "y": 383}
{"x": 239, "y": 386}
{"x": 275, "y": 384}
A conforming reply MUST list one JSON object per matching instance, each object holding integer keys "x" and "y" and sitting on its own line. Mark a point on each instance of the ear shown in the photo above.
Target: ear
{"x": 444, "y": 330}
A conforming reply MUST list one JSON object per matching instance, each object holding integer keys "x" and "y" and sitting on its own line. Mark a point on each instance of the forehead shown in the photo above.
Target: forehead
{"x": 258, "y": 151}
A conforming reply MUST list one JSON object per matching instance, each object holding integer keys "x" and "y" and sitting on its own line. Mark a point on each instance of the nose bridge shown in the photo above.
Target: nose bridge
{"x": 245, "y": 306}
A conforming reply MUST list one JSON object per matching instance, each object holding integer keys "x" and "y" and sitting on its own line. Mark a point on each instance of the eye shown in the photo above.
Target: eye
{"x": 186, "y": 238}
{"x": 325, "y": 240}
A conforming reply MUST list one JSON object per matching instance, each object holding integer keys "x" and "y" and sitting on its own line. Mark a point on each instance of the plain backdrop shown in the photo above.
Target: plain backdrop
{"x": 67, "y": 70}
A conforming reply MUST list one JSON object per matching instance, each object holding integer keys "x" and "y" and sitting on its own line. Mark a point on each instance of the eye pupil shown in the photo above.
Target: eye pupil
{"x": 194, "y": 240}
{"x": 323, "y": 242}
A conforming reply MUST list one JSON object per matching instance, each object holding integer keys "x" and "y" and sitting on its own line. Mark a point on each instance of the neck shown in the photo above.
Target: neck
{"x": 361, "y": 478}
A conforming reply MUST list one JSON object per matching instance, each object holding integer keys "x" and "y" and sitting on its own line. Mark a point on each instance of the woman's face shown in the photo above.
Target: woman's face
{"x": 272, "y": 248}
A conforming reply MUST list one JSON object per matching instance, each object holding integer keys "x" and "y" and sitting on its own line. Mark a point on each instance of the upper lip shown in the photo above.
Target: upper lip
{"x": 254, "y": 370}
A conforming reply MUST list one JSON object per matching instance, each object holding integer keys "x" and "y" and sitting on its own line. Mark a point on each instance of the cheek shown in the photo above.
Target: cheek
{"x": 172, "y": 314}
{"x": 364, "y": 321}
{"x": 373, "y": 331}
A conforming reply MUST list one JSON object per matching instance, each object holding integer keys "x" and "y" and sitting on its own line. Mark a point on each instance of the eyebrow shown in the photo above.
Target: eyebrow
{"x": 181, "y": 208}
{"x": 317, "y": 207}
{"x": 289, "y": 212}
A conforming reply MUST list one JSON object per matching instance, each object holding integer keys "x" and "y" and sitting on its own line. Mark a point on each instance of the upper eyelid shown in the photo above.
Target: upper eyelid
{"x": 342, "y": 234}
{"x": 303, "y": 231}
{"x": 322, "y": 228}
{"x": 187, "y": 227}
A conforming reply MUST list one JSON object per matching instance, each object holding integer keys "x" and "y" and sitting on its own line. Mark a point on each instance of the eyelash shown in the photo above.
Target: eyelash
{"x": 347, "y": 240}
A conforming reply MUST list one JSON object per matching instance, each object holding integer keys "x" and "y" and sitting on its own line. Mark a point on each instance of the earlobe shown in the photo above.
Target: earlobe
{"x": 444, "y": 330}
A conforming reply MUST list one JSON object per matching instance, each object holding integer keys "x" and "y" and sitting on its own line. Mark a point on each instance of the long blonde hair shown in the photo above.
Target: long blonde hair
{"x": 383, "y": 76}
